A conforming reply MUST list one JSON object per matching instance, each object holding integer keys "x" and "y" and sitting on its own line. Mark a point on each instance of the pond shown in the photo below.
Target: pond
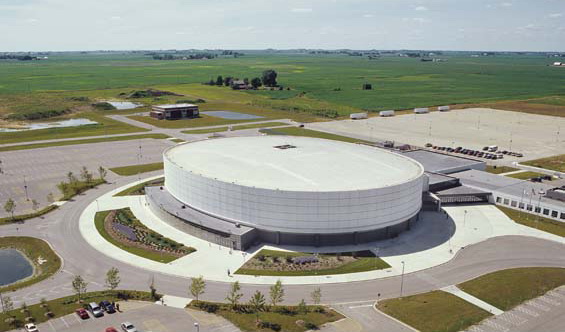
{"x": 231, "y": 115}
{"x": 13, "y": 266}
{"x": 124, "y": 105}
{"x": 45, "y": 125}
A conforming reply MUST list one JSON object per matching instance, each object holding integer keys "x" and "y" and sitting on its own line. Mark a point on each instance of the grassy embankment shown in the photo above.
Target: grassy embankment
{"x": 139, "y": 189}
{"x": 509, "y": 288}
{"x": 83, "y": 141}
{"x": 555, "y": 163}
{"x": 296, "y": 131}
{"x": 434, "y": 311}
{"x": 33, "y": 249}
{"x": 361, "y": 264}
{"x": 441, "y": 311}
{"x": 67, "y": 305}
{"x": 525, "y": 175}
{"x": 500, "y": 169}
{"x": 137, "y": 169}
{"x": 234, "y": 128}
{"x": 285, "y": 317}
{"x": 534, "y": 221}
{"x": 158, "y": 256}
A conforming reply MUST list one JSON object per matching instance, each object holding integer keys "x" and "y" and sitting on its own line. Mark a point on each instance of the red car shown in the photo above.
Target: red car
{"x": 111, "y": 329}
{"x": 82, "y": 313}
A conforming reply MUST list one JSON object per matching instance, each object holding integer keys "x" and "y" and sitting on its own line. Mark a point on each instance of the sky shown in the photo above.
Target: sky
{"x": 487, "y": 25}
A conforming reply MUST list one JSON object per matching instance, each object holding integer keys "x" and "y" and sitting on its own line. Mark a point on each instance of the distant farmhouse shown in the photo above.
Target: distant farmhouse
{"x": 559, "y": 64}
{"x": 240, "y": 85}
{"x": 174, "y": 111}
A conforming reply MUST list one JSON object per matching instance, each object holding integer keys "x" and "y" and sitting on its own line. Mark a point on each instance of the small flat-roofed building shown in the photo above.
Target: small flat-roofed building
{"x": 174, "y": 111}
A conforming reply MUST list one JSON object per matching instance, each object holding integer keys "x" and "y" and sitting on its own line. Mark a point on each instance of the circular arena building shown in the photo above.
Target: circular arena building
{"x": 288, "y": 190}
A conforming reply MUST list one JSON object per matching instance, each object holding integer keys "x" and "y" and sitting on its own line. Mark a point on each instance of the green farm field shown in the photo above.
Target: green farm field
{"x": 320, "y": 86}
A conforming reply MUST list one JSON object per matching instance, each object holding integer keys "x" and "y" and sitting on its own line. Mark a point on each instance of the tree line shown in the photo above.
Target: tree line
{"x": 268, "y": 79}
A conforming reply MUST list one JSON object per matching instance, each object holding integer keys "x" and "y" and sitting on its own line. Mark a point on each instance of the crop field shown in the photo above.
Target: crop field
{"x": 336, "y": 80}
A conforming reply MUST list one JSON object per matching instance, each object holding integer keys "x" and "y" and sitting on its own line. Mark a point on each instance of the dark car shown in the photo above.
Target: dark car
{"x": 107, "y": 306}
{"x": 82, "y": 313}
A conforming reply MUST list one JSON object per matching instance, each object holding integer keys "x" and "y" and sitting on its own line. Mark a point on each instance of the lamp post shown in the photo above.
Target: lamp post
{"x": 402, "y": 279}
{"x": 465, "y": 219}
{"x": 25, "y": 188}
{"x": 197, "y": 327}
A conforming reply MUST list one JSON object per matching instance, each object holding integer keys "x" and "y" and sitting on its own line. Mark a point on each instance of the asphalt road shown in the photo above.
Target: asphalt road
{"x": 60, "y": 229}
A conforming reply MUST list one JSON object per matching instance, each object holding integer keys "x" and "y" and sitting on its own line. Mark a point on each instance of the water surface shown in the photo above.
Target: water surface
{"x": 13, "y": 266}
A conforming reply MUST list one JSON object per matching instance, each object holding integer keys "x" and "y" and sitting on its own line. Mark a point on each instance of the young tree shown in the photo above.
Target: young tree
{"x": 50, "y": 198}
{"x": 112, "y": 278}
{"x": 257, "y": 303}
{"x": 34, "y": 205}
{"x": 85, "y": 174}
{"x": 228, "y": 80}
{"x": 246, "y": 80}
{"x": 72, "y": 178}
{"x": 256, "y": 82}
{"x": 219, "y": 81}
{"x": 7, "y": 304}
{"x": 102, "y": 173}
{"x": 10, "y": 206}
{"x": 269, "y": 77}
{"x": 197, "y": 287}
{"x": 79, "y": 286}
{"x": 276, "y": 293}
{"x": 234, "y": 295}
{"x": 316, "y": 296}
{"x": 302, "y": 308}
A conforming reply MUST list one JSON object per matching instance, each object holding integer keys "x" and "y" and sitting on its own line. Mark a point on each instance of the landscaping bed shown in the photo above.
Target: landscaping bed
{"x": 45, "y": 261}
{"x": 23, "y": 217}
{"x": 508, "y": 288}
{"x": 42, "y": 312}
{"x": 284, "y": 263}
{"x": 77, "y": 188}
{"x": 434, "y": 311}
{"x": 275, "y": 318}
{"x": 124, "y": 230}
{"x": 139, "y": 189}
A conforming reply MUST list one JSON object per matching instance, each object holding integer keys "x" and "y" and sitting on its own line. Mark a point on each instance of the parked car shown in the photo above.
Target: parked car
{"x": 95, "y": 309}
{"x": 107, "y": 306}
{"x": 30, "y": 327}
{"x": 128, "y": 327}
{"x": 82, "y": 313}
{"x": 111, "y": 329}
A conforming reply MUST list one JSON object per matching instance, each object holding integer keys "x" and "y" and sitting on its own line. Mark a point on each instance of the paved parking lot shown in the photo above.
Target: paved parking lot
{"x": 44, "y": 168}
{"x": 533, "y": 135}
{"x": 147, "y": 317}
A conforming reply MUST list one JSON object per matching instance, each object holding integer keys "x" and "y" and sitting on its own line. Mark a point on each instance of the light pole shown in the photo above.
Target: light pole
{"x": 197, "y": 327}
{"x": 25, "y": 188}
{"x": 402, "y": 279}
{"x": 465, "y": 219}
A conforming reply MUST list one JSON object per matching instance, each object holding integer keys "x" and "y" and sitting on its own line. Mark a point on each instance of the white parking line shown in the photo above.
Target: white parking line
{"x": 64, "y": 321}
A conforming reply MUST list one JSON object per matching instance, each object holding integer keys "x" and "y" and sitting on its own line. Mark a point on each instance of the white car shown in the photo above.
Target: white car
{"x": 128, "y": 327}
{"x": 31, "y": 328}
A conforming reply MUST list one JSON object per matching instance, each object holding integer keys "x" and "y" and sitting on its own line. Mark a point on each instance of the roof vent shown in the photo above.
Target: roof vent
{"x": 284, "y": 147}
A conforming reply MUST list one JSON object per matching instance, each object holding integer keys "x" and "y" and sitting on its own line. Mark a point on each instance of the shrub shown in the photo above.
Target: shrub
{"x": 105, "y": 106}
{"x": 269, "y": 325}
{"x": 310, "y": 326}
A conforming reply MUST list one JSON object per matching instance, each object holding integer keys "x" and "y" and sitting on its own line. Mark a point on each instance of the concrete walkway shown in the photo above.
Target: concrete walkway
{"x": 473, "y": 300}
{"x": 433, "y": 241}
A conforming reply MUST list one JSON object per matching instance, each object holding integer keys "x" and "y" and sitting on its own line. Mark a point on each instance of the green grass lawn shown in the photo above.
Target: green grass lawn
{"x": 500, "y": 169}
{"x": 508, "y": 288}
{"x": 82, "y": 141}
{"x": 362, "y": 264}
{"x": 137, "y": 169}
{"x": 296, "y": 131}
{"x": 67, "y": 305}
{"x": 177, "y": 140}
{"x": 33, "y": 249}
{"x": 525, "y": 175}
{"x": 161, "y": 257}
{"x": 245, "y": 319}
{"x": 535, "y": 221}
{"x": 434, "y": 311}
{"x": 555, "y": 163}
{"x": 105, "y": 126}
{"x": 139, "y": 189}
{"x": 22, "y": 217}
{"x": 240, "y": 127}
